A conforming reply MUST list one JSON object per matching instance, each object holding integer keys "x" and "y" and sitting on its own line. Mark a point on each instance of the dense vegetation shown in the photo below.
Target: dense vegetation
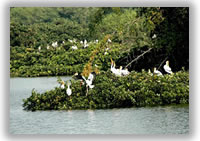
{"x": 136, "y": 89}
{"x": 61, "y": 41}
{"x": 132, "y": 31}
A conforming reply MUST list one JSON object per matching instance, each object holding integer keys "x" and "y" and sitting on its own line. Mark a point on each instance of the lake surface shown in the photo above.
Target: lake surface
{"x": 147, "y": 120}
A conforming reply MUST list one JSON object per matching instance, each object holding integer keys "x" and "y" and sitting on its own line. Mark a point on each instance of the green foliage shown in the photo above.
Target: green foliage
{"x": 60, "y": 61}
{"x": 130, "y": 29}
{"x": 134, "y": 90}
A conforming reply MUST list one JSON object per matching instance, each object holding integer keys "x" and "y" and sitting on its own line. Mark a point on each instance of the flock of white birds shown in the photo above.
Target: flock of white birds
{"x": 84, "y": 44}
{"x": 118, "y": 72}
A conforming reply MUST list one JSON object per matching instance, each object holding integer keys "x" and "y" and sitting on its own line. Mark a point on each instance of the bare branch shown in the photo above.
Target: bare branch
{"x": 162, "y": 62}
{"x": 138, "y": 57}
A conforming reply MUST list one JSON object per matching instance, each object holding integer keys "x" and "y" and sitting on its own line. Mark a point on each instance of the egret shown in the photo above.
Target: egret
{"x": 39, "y": 48}
{"x": 62, "y": 85}
{"x": 107, "y": 48}
{"x": 85, "y": 41}
{"x": 85, "y": 44}
{"x": 112, "y": 68}
{"x": 157, "y": 72}
{"x": 74, "y": 47}
{"x": 167, "y": 68}
{"x": 149, "y": 72}
{"x": 71, "y": 41}
{"x": 69, "y": 91}
{"x": 125, "y": 72}
{"x": 117, "y": 72}
{"x": 109, "y": 40}
{"x": 97, "y": 41}
{"x": 154, "y": 36}
{"x": 92, "y": 76}
{"x": 55, "y": 44}
{"x": 47, "y": 47}
{"x": 89, "y": 81}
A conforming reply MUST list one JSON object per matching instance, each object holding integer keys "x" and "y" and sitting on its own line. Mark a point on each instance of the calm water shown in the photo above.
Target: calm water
{"x": 156, "y": 120}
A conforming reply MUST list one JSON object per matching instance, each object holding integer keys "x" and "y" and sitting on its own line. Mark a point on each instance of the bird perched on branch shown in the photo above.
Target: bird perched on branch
{"x": 89, "y": 81}
{"x": 125, "y": 72}
{"x": 74, "y": 47}
{"x": 117, "y": 72}
{"x": 157, "y": 72}
{"x": 62, "y": 85}
{"x": 68, "y": 91}
{"x": 109, "y": 41}
{"x": 55, "y": 44}
{"x": 120, "y": 71}
{"x": 167, "y": 68}
{"x": 92, "y": 76}
{"x": 149, "y": 72}
{"x": 85, "y": 44}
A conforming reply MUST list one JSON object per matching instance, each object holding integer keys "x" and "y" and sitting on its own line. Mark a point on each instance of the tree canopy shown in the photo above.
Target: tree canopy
{"x": 132, "y": 31}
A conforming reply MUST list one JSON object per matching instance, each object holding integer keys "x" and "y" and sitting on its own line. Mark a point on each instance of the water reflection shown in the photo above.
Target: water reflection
{"x": 155, "y": 120}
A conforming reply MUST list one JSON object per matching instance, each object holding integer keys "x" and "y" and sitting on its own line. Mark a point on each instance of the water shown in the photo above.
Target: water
{"x": 154, "y": 120}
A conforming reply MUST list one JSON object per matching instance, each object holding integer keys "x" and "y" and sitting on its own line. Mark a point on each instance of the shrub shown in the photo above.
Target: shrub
{"x": 138, "y": 89}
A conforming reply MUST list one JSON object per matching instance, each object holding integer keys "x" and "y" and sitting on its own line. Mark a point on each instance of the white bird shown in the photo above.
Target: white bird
{"x": 74, "y": 47}
{"x": 149, "y": 72}
{"x": 125, "y": 72}
{"x": 92, "y": 76}
{"x": 81, "y": 42}
{"x": 55, "y": 44}
{"x": 47, "y": 47}
{"x": 112, "y": 66}
{"x": 107, "y": 49}
{"x": 154, "y": 36}
{"x": 89, "y": 81}
{"x": 85, "y": 44}
{"x": 62, "y": 85}
{"x": 63, "y": 42}
{"x": 39, "y": 48}
{"x": 117, "y": 72}
{"x": 69, "y": 91}
{"x": 167, "y": 68}
{"x": 109, "y": 41}
{"x": 157, "y": 72}
{"x": 85, "y": 41}
{"x": 97, "y": 41}
{"x": 71, "y": 41}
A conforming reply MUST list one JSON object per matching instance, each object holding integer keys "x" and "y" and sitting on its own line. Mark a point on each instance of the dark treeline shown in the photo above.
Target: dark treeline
{"x": 132, "y": 31}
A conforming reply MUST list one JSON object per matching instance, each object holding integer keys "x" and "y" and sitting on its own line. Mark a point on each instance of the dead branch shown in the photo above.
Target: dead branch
{"x": 162, "y": 62}
{"x": 138, "y": 57}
